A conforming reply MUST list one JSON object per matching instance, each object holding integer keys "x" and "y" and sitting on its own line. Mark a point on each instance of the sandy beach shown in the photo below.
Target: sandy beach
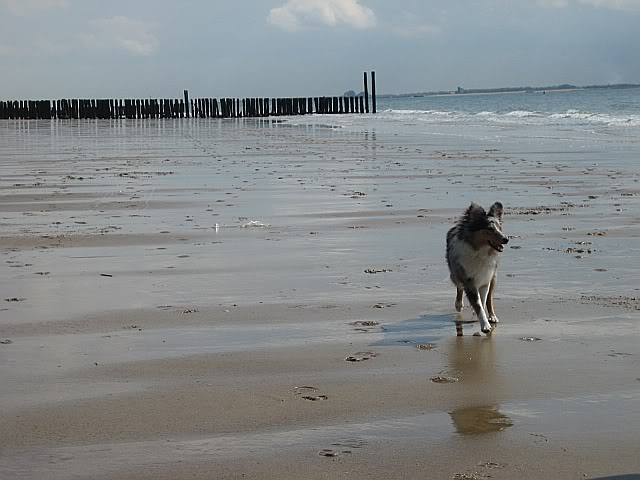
{"x": 264, "y": 298}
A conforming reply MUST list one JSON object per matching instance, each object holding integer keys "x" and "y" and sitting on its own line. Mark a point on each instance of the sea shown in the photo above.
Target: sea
{"x": 599, "y": 108}
{"x": 593, "y": 115}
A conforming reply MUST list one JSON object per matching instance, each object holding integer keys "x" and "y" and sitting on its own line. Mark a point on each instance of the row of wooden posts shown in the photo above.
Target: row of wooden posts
{"x": 185, "y": 108}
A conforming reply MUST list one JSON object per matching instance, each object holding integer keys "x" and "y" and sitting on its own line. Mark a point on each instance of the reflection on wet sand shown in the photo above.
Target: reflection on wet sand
{"x": 473, "y": 359}
{"x": 482, "y": 419}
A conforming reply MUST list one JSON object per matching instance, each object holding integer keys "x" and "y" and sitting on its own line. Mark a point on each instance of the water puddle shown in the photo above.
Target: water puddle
{"x": 482, "y": 419}
{"x": 425, "y": 330}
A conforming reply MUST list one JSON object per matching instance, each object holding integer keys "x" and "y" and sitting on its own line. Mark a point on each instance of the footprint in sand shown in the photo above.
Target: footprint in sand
{"x": 328, "y": 452}
{"x": 443, "y": 379}
{"x": 366, "y": 326}
{"x": 309, "y": 393}
{"x": 361, "y": 356}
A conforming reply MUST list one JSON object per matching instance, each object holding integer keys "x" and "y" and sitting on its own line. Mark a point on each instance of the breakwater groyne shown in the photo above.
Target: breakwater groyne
{"x": 185, "y": 107}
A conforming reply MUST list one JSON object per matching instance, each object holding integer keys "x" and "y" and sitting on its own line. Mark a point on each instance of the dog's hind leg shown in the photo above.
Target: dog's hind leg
{"x": 490, "y": 305}
{"x": 459, "y": 304}
{"x": 476, "y": 302}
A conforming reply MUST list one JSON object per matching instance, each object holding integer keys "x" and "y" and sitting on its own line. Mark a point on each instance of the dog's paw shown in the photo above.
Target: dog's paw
{"x": 494, "y": 319}
{"x": 486, "y": 329}
{"x": 459, "y": 306}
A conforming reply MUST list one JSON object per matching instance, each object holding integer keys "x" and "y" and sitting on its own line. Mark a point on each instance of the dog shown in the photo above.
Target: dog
{"x": 473, "y": 248}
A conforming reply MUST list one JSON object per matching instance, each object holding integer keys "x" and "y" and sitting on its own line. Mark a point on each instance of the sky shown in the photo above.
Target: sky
{"x": 53, "y": 49}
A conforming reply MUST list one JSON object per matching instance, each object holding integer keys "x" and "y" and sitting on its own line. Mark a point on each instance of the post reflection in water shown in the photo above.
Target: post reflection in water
{"x": 473, "y": 360}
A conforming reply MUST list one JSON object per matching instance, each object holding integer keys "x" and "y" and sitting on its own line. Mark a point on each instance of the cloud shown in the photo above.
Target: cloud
{"x": 627, "y": 5}
{"x": 26, "y": 7}
{"x": 134, "y": 36}
{"x": 296, "y": 15}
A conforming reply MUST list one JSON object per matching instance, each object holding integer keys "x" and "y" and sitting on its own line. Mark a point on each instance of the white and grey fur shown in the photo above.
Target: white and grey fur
{"x": 473, "y": 247}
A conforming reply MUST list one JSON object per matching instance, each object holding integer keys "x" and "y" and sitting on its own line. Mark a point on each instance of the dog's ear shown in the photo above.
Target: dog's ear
{"x": 496, "y": 211}
{"x": 474, "y": 211}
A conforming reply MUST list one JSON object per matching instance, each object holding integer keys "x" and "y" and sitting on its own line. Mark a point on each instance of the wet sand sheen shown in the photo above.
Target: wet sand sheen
{"x": 201, "y": 322}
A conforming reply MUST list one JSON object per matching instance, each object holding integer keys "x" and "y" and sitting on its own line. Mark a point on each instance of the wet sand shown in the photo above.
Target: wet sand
{"x": 269, "y": 299}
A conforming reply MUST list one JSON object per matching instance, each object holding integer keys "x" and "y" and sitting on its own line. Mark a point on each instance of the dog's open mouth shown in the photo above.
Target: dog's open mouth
{"x": 496, "y": 246}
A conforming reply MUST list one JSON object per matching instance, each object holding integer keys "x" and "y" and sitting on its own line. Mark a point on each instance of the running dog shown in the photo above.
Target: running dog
{"x": 473, "y": 247}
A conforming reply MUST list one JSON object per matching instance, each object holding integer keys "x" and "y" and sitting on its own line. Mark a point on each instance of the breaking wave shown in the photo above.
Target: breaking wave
{"x": 517, "y": 117}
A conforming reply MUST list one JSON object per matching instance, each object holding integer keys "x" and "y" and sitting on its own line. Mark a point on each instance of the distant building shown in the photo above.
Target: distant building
{"x": 460, "y": 90}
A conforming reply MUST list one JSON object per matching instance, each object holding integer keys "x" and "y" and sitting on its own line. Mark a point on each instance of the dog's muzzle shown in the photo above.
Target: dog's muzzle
{"x": 498, "y": 247}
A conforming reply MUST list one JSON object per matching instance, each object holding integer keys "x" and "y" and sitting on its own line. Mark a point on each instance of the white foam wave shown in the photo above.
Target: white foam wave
{"x": 524, "y": 117}
{"x": 523, "y": 114}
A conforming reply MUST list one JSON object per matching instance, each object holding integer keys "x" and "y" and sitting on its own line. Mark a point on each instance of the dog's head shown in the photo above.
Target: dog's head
{"x": 485, "y": 228}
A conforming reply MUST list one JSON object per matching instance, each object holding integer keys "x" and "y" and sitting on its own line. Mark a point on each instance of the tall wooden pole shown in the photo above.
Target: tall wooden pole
{"x": 373, "y": 90}
{"x": 366, "y": 93}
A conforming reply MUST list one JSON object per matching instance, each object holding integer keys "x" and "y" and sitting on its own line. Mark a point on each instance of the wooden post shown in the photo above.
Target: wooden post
{"x": 186, "y": 102}
{"x": 361, "y": 104}
{"x": 366, "y": 93}
{"x": 373, "y": 91}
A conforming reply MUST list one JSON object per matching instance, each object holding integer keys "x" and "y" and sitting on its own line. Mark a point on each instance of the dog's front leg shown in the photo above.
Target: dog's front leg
{"x": 476, "y": 302}
{"x": 459, "y": 304}
{"x": 483, "y": 292}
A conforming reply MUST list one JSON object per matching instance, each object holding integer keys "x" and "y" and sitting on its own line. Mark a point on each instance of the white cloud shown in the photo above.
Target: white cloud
{"x": 134, "y": 36}
{"x": 296, "y": 15}
{"x": 26, "y": 7}
{"x": 628, "y": 5}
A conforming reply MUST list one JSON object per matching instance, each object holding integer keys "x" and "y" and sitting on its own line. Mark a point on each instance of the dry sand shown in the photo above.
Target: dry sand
{"x": 260, "y": 299}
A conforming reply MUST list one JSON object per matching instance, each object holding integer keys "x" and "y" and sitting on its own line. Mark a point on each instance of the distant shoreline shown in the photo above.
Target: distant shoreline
{"x": 488, "y": 91}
